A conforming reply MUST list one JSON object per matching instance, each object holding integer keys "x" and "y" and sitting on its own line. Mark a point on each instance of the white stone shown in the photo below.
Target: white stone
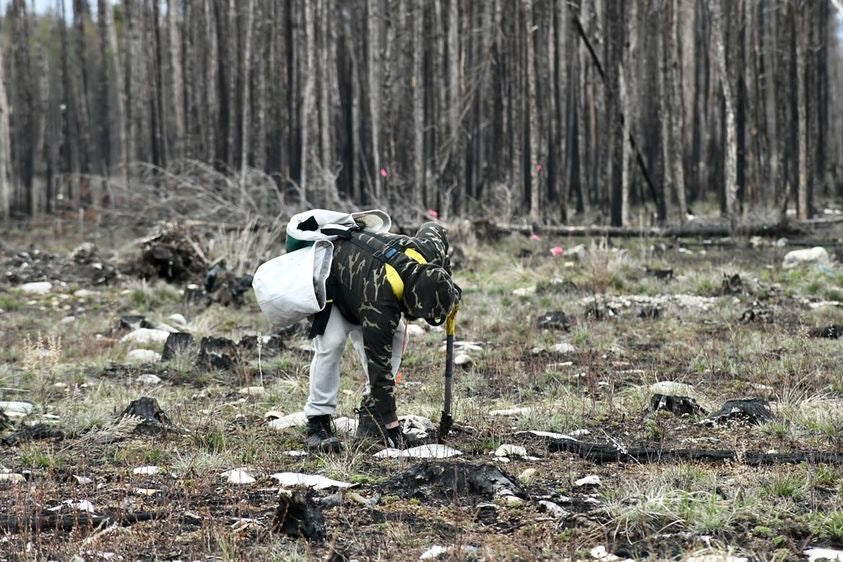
{"x": 809, "y": 256}
{"x": 554, "y": 509}
{"x": 17, "y": 409}
{"x": 512, "y": 412}
{"x": 512, "y": 501}
{"x": 148, "y": 470}
{"x": 564, "y": 347}
{"x": 67, "y": 320}
{"x": 84, "y": 293}
{"x": 509, "y": 450}
{"x": 82, "y": 480}
{"x": 817, "y": 553}
{"x": 346, "y": 425}
{"x": 716, "y": 558}
{"x": 671, "y": 388}
{"x": 315, "y": 481}
{"x": 415, "y": 330}
{"x": 297, "y": 419}
{"x": 149, "y": 379}
{"x": 82, "y": 505}
{"x": 600, "y": 553}
{"x": 463, "y": 360}
{"x": 146, "y": 491}
{"x": 578, "y": 252}
{"x": 590, "y": 480}
{"x": 238, "y": 476}
{"x": 138, "y": 356}
{"x": 524, "y": 291}
{"x": 527, "y": 476}
{"x": 177, "y": 319}
{"x": 296, "y": 453}
{"x": 547, "y": 434}
{"x": 436, "y": 451}
{"x": 253, "y": 391}
{"x": 12, "y": 477}
{"x": 434, "y": 552}
{"x": 146, "y": 336}
{"x": 37, "y": 288}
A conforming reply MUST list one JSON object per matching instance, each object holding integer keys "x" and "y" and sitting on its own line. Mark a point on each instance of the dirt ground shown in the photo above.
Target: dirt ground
{"x": 728, "y": 322}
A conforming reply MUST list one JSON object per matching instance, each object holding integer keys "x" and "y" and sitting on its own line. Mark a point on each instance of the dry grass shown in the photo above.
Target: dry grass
{"x": 661, "y": 511}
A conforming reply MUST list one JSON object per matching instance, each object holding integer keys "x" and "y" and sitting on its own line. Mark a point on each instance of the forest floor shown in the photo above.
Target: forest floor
{"x": 588, "y": 378}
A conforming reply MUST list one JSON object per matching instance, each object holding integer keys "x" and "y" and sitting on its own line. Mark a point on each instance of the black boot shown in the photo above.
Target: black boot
{"x": 372, "y": 429}
{"x": 320, "y": 435}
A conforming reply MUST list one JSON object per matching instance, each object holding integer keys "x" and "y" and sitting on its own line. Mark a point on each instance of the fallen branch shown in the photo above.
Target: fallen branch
{"x": 70, "y": 521}
{"x": 688, "y": 230}
{"x": 606, "y": 453}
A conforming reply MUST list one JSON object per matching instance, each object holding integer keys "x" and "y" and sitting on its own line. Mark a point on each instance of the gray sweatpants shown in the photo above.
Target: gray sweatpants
{"x": 327, "y": 359}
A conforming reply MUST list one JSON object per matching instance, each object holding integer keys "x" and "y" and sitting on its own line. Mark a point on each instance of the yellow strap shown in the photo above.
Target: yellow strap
{"x": 394, "y": 279}
{"x": 451, "y": 322}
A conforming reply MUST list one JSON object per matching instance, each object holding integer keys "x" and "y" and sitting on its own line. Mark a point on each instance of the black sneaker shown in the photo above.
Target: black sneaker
{"x": 320, "y": 435}
{"x": 371, "y": 429}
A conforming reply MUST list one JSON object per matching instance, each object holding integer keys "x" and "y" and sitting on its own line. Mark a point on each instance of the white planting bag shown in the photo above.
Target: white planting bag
{"x": 285, "y": 292}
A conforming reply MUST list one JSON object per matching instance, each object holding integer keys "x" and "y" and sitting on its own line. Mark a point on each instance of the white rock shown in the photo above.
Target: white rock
{"x": 82, "y": 505}
{"x": 414, "y": 330}
{"x": 297, "y": 419}
{"x": 809, "y": 256}
{"x": 37, "y": 288}
{"x": 578, "y": 252}
{"x": 564, "y": 347}
{"x": 417, "y": 427}
{"x": 434, "y": 552}
{"x": 296, "y": 453}
{"x": 12, "y": 477}
{"x": 527, "y": 476}
{"x": 315, "y": 481}
{"x": 817, "y": 553}
{"x": 84, "y": 293}
{"x": 253, "y": 391}
{"x": 463, "y": 360}
{"x": 238, "y": 476}
{"x": 82, "y": 480}
{"x": 512, "y": 501}
{"x": 509, "y": 450}
{"x": 512, "y": 412}
{"x": 590, "y": 480}
{"x": 17, "y": 409}
{"x": 67, "y": 320}
{"x": 554, "y": 509}
{"x": 346, "y": 425}
{"x": 146, "y": 336}
{"x": 149, "y": 379}
{"x": 524, "y": 291}
{"x": 177, "y": 319}
{"x": 600, "y": 553}
{"x": 716, "y": 558}
{"x": 547, "y": 434}
{"x": 138, "y": 356}
{"x": 437, "y": 451}
{"x": 671, "y": 388}
{"x": 146, "y": 491}
{"x": 148, "y": 470}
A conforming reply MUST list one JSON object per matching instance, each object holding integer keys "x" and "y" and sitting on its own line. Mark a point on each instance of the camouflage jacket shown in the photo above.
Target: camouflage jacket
{"x": 369, "y": 294}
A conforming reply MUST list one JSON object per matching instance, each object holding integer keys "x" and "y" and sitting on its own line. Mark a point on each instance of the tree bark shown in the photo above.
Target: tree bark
{"x": 730, "y": 172}
{"x": 5, "y": 152}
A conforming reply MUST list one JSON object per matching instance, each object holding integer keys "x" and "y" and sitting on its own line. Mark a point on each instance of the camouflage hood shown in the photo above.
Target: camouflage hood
{"x": 429, "y": 293}
{"x": 432, "y": 240}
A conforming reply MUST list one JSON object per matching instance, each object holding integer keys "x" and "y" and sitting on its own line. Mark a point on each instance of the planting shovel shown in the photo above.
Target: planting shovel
{"x": 447, "y": 420}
